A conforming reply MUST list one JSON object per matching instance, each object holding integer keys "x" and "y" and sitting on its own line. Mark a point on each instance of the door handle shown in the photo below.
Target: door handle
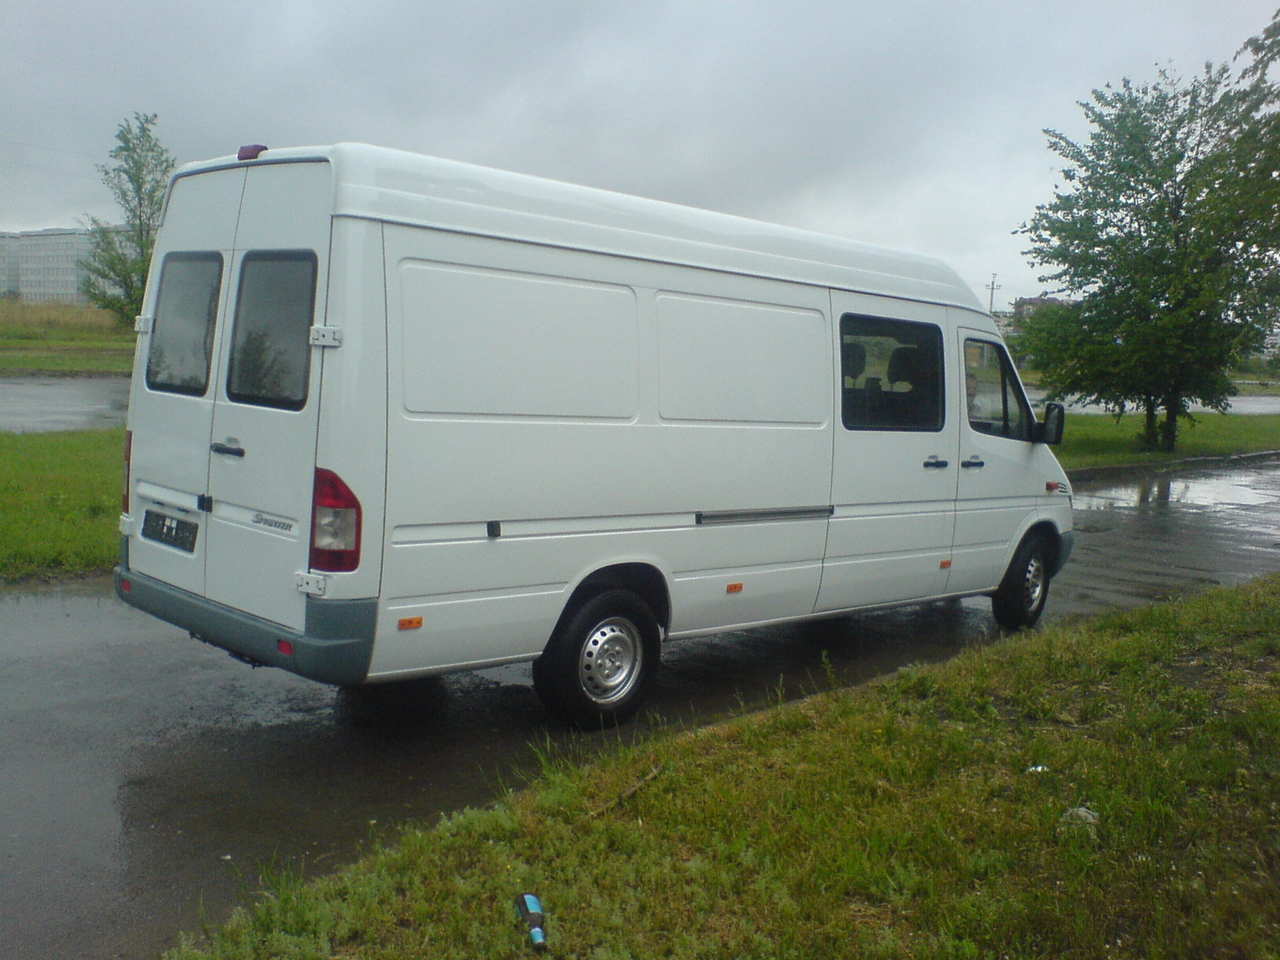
{"x": 936, "y": 464}
{"x": 974, "y": 462}
{"x": 231, "y": 448}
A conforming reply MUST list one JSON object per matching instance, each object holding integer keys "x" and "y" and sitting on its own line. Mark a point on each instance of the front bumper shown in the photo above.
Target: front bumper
{"x": 335, "y": 646}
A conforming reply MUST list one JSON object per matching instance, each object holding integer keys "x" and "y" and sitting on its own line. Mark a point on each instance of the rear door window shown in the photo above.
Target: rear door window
{"x": 270, "y": 353}
{"x": 182, "y": 332}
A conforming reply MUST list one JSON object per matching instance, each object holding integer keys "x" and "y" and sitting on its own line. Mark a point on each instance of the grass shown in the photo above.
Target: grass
{"x": 61, "y": 496}
{"x": 61, "y": 339}
{"x": 1263, "y": 387}
{"x": 1093, "y": 440}
{"x": 923, "y": 816}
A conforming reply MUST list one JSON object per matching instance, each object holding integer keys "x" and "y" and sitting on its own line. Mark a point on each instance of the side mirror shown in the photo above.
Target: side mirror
{"x": 1050, "y": 430}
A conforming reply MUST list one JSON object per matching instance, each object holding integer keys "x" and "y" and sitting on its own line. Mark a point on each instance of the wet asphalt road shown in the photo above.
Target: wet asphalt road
{"x": 40, "y": 404}
{"x": 145, "y": 778}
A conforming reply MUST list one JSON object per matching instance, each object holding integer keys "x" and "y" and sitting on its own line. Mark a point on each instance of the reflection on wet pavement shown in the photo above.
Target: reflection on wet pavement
{"x": 149, "y": 777}
{"x": 1223, "y": 493}
{"x": 1160, "y": 536}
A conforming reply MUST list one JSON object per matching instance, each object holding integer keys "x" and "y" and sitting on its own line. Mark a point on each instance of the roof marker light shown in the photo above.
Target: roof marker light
{"x": 250, "y": 151}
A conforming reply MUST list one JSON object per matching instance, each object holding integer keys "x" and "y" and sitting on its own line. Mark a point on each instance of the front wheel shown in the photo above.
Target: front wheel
{"x": 600, "y": 662}
{"x": 1020, "y": 598}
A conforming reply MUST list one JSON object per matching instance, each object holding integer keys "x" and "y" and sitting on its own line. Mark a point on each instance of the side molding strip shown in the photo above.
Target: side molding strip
{"x": 710, "y": 517}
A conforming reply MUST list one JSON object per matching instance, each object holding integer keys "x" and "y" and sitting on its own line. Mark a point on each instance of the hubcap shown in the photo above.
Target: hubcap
{"x": 610, "y": 661}
{"x": 1033, "y": 583}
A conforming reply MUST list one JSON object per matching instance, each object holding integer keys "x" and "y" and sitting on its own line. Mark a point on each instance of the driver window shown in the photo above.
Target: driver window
{"x": 993, "y": 397}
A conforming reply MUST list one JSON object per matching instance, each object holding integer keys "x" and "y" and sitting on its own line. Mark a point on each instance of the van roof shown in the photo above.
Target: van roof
{"x": 396, "y": 186}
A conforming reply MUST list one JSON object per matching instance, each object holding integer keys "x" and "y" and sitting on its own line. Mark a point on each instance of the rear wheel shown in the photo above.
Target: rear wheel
{"x": 599, "y": 664}
{"x": 1020, "y": 598}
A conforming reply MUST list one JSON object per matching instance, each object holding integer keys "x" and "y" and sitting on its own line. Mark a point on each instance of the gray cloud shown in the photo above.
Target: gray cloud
{"x": 914, "y": 125}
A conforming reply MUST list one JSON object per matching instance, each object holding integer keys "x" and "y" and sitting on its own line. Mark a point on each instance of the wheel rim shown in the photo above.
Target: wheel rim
{"x": 1033, "y": 583}
{"x": 609, "y": 663}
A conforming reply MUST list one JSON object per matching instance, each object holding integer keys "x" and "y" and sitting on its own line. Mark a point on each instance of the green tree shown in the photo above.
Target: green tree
{"x": 1074, "y": 350}
{"x": 138, "y": 175}
{"x": 1165, "y": 231}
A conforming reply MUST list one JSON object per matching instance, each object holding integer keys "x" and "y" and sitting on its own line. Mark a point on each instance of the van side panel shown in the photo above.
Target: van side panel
{"x": 552, "y": 412}
{"x": 503, "y": 343}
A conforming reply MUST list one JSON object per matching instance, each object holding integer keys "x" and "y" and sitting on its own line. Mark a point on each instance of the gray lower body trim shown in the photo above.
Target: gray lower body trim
{"x": 335, "y": 646}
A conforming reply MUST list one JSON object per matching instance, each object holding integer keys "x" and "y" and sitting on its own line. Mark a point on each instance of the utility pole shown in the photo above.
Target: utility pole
{"x": 993, "y": 287}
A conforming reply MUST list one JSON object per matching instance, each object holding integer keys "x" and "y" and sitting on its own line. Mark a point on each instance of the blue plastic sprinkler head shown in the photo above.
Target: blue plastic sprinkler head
{"x": 529, "y": 909}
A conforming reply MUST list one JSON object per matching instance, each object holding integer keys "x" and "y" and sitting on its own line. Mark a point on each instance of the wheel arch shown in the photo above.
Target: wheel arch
{"x": 642, "y": 578}
{"x": 1047, "y": 531}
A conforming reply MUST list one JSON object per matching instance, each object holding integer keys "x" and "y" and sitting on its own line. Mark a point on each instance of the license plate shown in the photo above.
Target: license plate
{"x": 169, "y": 530}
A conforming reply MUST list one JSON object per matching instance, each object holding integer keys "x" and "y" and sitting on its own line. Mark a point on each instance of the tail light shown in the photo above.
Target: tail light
{"x": 335, "y": 525}
{"x": 128, "y": 455}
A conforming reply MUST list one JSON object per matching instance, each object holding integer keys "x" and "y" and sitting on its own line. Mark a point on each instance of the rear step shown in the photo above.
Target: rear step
{"x": 243, "y": 658}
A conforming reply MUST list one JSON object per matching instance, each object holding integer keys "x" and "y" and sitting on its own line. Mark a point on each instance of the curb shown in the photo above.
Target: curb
{"x": 1088, "y": 474}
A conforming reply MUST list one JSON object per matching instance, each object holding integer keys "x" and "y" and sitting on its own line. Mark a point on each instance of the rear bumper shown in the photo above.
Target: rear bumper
{"x": 335, "y": 646}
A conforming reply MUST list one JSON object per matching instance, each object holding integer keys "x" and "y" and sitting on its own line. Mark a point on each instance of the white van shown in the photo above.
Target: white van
{"x": 394, "y": 416}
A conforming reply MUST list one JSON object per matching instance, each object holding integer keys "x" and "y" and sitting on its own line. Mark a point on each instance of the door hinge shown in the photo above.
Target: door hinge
{"x": 204, "y": 503}
{"x": 141, "y": 324}
{"x": 325, "y": 337}
{"x": 314, "y": 584}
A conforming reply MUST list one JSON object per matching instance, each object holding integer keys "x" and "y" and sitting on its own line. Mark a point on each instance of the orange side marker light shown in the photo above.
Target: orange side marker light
{"x": 733, "y": 588}
{"x": 410, "y": 623}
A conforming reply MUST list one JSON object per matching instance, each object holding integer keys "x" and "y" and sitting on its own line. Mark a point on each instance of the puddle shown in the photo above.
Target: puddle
{"x": 1215, "y": 492}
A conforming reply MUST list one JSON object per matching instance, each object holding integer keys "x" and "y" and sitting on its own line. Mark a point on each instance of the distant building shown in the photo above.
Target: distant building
{"x": 1271, "y": 347}
{"x": 1023, "y": 307}
{"x": 43, "y": 266}
{"x": 8, "y": 265}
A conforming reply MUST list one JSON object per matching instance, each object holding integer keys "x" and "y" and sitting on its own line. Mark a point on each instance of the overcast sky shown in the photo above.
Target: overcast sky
{"x": 913, "y": 124}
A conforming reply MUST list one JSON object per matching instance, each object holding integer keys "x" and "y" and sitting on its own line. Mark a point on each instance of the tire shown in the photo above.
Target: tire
{"x": 1020, "y": 598}
{"x": 600, "y": 662}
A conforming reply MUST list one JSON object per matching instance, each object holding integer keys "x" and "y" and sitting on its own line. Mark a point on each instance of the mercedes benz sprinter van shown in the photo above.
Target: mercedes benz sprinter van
{"x": 394, "y": 416}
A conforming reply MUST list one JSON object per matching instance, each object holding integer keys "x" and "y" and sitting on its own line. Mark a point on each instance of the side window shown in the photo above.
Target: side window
{"x": 182, "y": 333}
{"x": 892, "y": 374}
{"x": 270, "y": 354}
{"x": 994, "y": 399}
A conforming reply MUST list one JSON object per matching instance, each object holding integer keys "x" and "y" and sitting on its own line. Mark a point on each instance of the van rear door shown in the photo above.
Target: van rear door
{"x": 171, "y": 407}
{"x": 262, "y": 446}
